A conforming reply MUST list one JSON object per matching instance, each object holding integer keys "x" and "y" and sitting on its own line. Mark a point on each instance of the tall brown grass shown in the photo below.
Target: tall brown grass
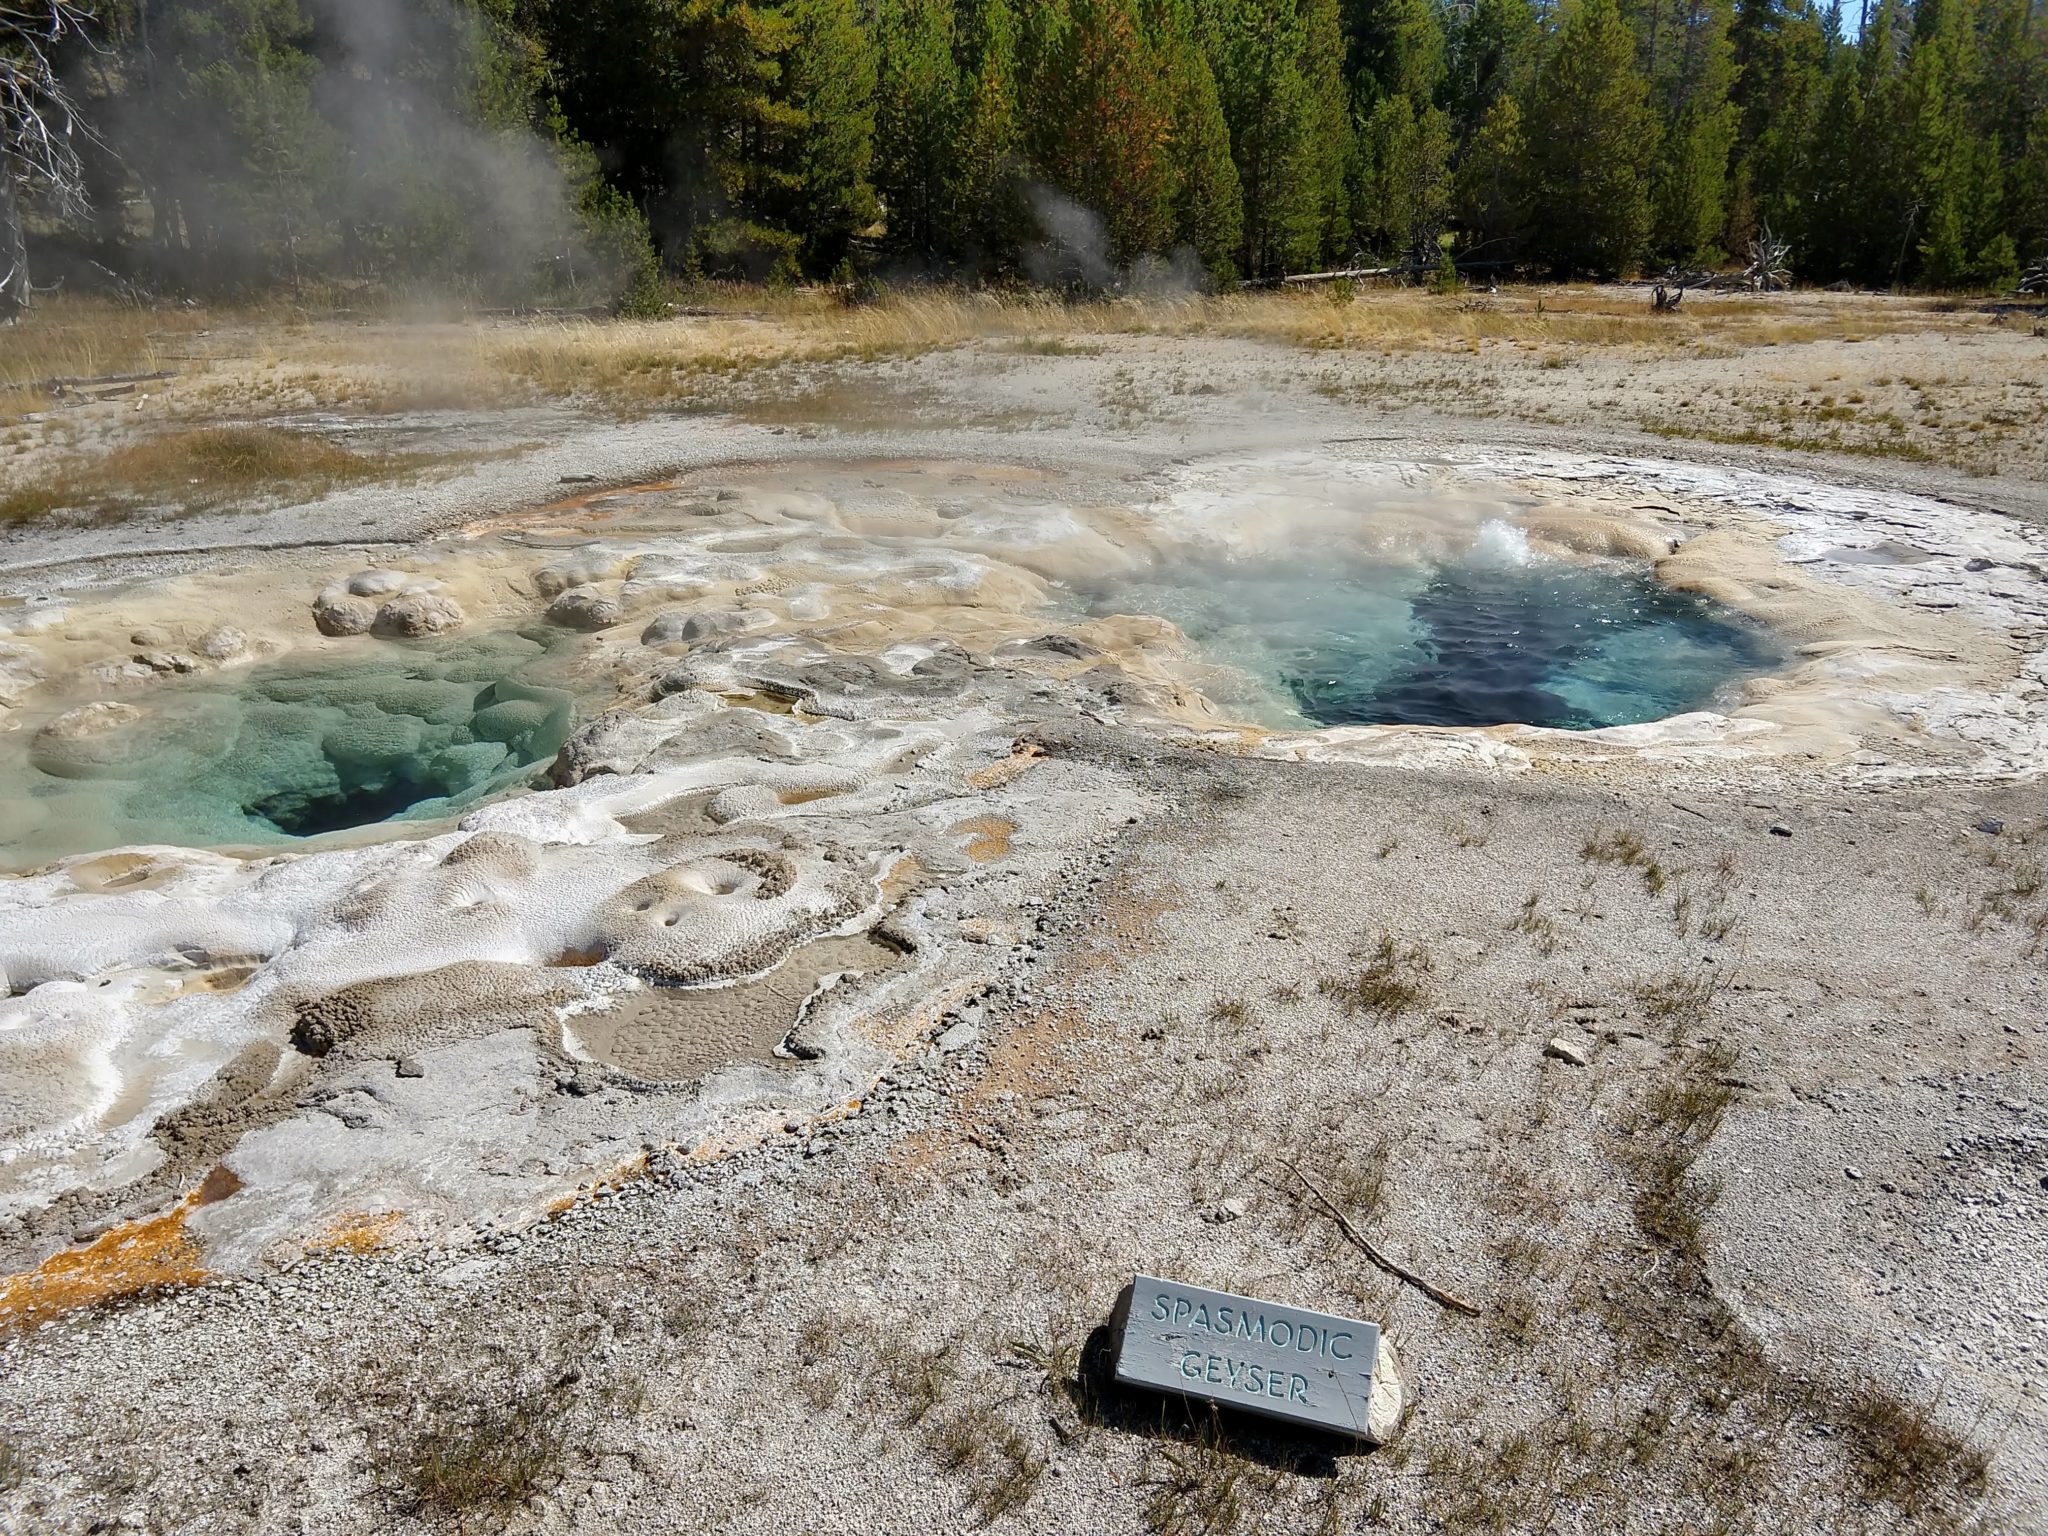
{"x": 278, "y": 358}
{"x": 82, "y": 338}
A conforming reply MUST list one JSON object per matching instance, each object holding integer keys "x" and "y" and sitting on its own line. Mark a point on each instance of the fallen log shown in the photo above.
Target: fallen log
{"x": 1347, "y": 273}
{"x": 58, "y": 386}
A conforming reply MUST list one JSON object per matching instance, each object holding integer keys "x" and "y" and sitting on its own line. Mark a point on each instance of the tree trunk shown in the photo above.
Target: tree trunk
{"x": 14, "y": 292}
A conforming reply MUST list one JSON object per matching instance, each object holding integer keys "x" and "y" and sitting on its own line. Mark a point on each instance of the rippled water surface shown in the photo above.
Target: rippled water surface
{"x": 1503, "y": 637}
{"x": 276, "y": 752}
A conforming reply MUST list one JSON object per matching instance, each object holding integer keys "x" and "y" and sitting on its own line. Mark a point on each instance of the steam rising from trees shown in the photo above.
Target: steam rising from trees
{"x": 553, "y": 150}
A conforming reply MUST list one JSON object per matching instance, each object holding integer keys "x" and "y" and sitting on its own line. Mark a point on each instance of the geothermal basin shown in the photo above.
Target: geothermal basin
{"x": 729, "y": 790}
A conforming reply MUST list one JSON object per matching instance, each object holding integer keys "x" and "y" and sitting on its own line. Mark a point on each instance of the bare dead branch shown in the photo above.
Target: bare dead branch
{"x": 1364, "y": 1245}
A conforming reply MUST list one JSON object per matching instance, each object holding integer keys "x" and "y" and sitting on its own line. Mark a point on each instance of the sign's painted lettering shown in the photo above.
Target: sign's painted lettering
{"x": 1285, "y": 1362}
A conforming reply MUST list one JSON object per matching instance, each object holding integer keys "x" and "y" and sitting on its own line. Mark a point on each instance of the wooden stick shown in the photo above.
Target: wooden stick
{"x": 1437, "y": 1294}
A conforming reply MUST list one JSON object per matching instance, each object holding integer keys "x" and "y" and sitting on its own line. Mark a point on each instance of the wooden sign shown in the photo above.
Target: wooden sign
{"x": 1287, "y": 1363}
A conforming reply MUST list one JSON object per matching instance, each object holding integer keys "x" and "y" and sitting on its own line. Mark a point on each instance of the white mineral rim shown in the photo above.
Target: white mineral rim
{"x": 826, "y": 676}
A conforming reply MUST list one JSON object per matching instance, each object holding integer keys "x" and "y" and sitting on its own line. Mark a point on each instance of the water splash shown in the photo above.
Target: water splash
{"x": 1499, "y": 544}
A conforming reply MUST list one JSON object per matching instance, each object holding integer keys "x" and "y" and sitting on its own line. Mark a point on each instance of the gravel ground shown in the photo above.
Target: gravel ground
{"x": 890, "y": 1324}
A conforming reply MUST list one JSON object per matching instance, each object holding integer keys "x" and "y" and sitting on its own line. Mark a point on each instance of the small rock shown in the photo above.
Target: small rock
{"x": 1779, "y": 829}
{"x": 222, "y": 643}
{"x": 582, "y": 1083}
{"x": 419, "y": 613}
{"x": 1991, "y": 826}
{"x": 551, "y": 581}
{"x": 958, "y": 1037}
{"x": 168, "y": 661}
{"x": 1852, "y": 1172}
{"x": 578, "y": 480}
{"x": 1570, "y": 1052}
{"x": 20, "y": 670}
{"x": 409, "y": 1066}
{"x": 584, "y": 608}
{"x": 337, "y": 613}
{"x": 377, "y": 583}
{"x": 1233, "y": 1209}
{"x": 150, "y": 637}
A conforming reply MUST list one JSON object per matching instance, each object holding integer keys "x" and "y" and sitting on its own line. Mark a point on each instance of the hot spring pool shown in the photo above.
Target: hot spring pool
{"x": 278, "y": 752}
{"x": 1500, "y": 637}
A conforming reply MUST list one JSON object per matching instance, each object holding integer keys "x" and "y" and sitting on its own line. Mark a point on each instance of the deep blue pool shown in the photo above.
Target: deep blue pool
{"x": 1520, "y": 639}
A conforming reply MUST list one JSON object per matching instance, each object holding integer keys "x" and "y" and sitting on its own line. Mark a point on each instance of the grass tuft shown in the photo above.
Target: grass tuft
{"x": 1389, "y": 985}
{"x": 1204, "y": 1488}
{"x": 1001, "y": 1467}
{"x": 473, "y": 1461}
{"x": 1906, "y": 1456}
{"x": 204, "y": 469}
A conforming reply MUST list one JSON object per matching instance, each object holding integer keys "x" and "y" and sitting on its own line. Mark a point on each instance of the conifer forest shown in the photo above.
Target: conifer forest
{"x": 521, "y": 149}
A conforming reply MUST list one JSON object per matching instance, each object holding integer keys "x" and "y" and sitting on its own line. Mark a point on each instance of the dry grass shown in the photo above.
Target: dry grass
{"x": 696, "y": 359}
{"x": 1625, "y": 847}
{"x": 1550, "y": 318}
{"x": 1680, "y": 999}
{"x": 1538, "y": 924}
{"x": 1389, "y": 984}
{"x": 277, "y": 355}
{"x": 1204, "y": 1488}
{"x": 203, "y": 469}
{"x": 918, "y": 1379}
{"x": 1906, "y": 1456}
{"x": 470, "y": 1465}
{"x": 74, "y": 338}
{"x": 807, "y": 360}
{"x": 999, "y": 1464}
{"x": 1667, "y": 1132}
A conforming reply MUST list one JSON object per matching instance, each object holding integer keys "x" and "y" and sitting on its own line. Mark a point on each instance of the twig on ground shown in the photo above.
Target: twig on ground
{"x": 1364, "y": 1245}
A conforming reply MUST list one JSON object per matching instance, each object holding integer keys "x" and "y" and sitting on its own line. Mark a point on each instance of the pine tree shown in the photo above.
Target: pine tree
{"x": 1397, "y": 48}
{"x": 236, "y": 163}
{"x": 917, "y": 118}
{"x": 1689, "y": 181}
{"x": 1256, "y": 50}
{"x": 1103, "y": 123}
{"x": 1780, "y": 56}
{"x": 1832, "y": 191}
{"x": 1593, "y": 139}
{"x": 679, "y": 99}
{"x": 1951, "y": 167}
{"x": 1331, "y": 148}
{"x": 1405, "y": 188}
{"x": 829, "y": 80}
{"x": 1491, "y": 193}
{"x": 990, "y": 167}
{"x": 2029, "y": 213}
{"x": 1488, "y": 55}
{"x": 1208, "y": 202}
{"x": 1401, "y": 190}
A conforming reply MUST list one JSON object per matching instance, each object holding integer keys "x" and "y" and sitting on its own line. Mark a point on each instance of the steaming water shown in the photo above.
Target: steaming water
{"x": 1501, "y": 636}
{"x": 272, "y": 754}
